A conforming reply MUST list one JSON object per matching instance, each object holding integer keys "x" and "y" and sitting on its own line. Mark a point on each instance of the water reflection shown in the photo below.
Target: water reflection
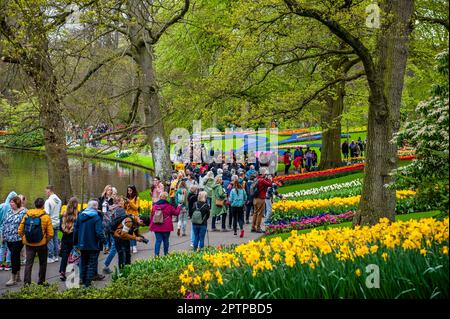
{"x": 26, "y": 173}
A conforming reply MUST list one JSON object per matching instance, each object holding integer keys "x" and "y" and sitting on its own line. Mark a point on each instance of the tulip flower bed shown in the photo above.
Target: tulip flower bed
{"x": 327, "y": 173}
{"x": 290, "y": 210}
{"x": 307, "y": 222}
{"x": 324, "y": 189}
{"x": 389, "y": 260}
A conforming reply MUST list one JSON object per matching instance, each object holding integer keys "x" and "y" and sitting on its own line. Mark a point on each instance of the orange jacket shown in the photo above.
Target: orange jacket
{"x": 133, "y": 207}
{"x": 46, "y": 223}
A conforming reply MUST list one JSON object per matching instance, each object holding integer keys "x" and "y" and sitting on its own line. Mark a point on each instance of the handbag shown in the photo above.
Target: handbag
{"x": 219, "y": 202}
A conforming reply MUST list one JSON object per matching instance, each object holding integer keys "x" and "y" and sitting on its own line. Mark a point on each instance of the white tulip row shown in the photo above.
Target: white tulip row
{"x": 323, "y": 189}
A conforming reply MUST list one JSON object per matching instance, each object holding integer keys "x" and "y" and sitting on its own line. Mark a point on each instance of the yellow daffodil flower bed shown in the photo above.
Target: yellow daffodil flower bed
{"x": 389, "y": 260}
{"x": 290, "y": 209}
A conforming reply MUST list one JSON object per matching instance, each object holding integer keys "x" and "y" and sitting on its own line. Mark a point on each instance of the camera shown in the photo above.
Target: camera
{"x": 144, "y": 240}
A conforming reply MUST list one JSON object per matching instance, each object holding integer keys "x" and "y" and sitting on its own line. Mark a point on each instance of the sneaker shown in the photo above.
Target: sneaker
{"x": 242, "y": 233}
{"x": 253, "y": 230}
{"x": 7, "y": 267}
{"x": 50, "y": 260}
{"x": 56, "y": 259}
{"x": 62, "y": 276}
{"x": 192, "y": 245}
{"x": 134, "y": 250}
{"x": 235, "y": 234}
{"x": 107, "y": 271}
{"x": 178, "y": 232}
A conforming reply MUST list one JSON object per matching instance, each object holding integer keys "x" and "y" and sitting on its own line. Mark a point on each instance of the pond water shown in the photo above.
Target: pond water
{"x": 26, "y": 173}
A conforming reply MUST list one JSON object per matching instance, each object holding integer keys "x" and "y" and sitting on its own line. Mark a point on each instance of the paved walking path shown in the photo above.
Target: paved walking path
{"x": 145, "y": 251}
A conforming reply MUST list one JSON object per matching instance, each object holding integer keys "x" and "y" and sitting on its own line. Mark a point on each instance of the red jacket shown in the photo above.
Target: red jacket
{"x": 263, "y": 185}
{"x": 168, "y": 212}
{"x": 287, "y": 158}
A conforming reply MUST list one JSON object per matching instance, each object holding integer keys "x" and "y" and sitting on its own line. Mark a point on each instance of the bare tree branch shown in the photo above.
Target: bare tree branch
{"x": 175, "y": 19}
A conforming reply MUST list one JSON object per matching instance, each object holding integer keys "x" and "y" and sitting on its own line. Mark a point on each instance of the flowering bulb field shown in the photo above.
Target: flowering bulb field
{"x": 293, "y": 209}
{"x": 388, "y": 260}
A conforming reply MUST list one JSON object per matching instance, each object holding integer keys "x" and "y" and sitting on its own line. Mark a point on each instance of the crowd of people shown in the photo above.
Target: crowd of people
{"x": 354, "y": 149}
{"x": 303, "y": 160}
{"x": 222, "y": 196}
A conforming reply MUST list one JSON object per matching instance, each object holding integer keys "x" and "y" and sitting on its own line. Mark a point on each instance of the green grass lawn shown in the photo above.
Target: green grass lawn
{"x": 403, "y": 217}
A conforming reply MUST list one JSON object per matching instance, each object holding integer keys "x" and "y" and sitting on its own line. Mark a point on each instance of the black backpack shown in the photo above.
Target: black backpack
{"x": 254, "y": 191}
{"x": 33, "y": 229}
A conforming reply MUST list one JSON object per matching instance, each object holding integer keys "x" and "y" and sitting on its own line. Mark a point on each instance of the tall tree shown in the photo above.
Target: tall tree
{"x": 26, "y": 28}
{"x": 384, "y": 67}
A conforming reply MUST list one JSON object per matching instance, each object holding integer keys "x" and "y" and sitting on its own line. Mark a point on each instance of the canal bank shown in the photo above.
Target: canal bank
{"x": 26, "y": 172}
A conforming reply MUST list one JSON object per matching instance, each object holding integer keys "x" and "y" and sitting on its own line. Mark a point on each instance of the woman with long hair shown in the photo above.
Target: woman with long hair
{"x": 132, "y": 208}
{"x": 238, "y": 197}
{"x": 12, "y": 238}
{"x": 68, "y": 220}
{"x": 181, "y": 198}
{"x": 104, "y": 203}
{"x": 156, "y": 189}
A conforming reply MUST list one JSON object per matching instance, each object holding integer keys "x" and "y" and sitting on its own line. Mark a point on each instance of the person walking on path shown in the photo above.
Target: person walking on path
{"x": 117, "y": 209}
{"x": 181, "y": 199}
{"x": 262, "y": 184}
{"x": 287, "y": 159}
{"x": 68, "y": 220}
{"x": 88, "y": 237}
{"x": 161, "y": 222}
{"x": 208, "y": 184}
{"x": 132, "y": 208}
{"x": 5, "y": 253}
{"x": 344, "y": 149}
{"x": 104, "y": 203}
{"x": 36, "y": 231}
{"x": 199, "y": 216}
{"x": 156, "y": 189}
{"x": 249, "y": 204}
{"x": 53, "y": 209}
{"x": 127, "y": 231}
{"x": 192, "y": 199}
{"x": 271, "y": 192}
{"x": 238, "y": 197}
{"x": 13, "y": 240}
{"x": 218, "y": 208}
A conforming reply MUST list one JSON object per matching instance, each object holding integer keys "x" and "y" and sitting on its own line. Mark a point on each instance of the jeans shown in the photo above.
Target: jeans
{"x": 192, "y": 234}
{"x": 15, "y": 247}
{"x": 248, "y": 209}
{"x": 53, "y": 245}
{"x": 268, "y": 211}
{"x": 286, "y": 169}
{"x": 65, "y": 252}
{"x": 88, "y": 266}
{"x": 5, "y": 251}
{"x": 31, "y": 251}
{"x": 133, "y": 243}
{"x": 199, "y": 236}
{"x": 230, "y": 217}
{"x": 238, "y": 217}
{"x": 162, "y": 237}
{"x": 112, "y": 253}
{"x": 182, "y": 220}
{"x": 258, "y": 211}
{"x": 223, "y": 217}
{"x": 109, "y": 240}
{"x": 123, "y": 252}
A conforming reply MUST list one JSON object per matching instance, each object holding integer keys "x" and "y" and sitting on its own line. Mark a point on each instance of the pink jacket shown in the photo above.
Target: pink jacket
{"x": 157, "y": 192}
{"x": 168, "y": 212}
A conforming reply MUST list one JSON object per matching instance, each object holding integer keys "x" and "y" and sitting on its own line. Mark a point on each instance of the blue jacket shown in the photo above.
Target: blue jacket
{"x": 4, "y": 209}
{"x": 88, "y": 231}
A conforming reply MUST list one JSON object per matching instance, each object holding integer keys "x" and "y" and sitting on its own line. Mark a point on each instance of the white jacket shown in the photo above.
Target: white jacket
{"x": 53, "y": 208}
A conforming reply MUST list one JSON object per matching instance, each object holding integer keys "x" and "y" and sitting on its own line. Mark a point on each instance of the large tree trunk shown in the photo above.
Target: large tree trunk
{"x": 384, "y": 113}
{"x": 51, "y": 119}
{"x": 143, "y": 55}
{"x": 331, "y": 129}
